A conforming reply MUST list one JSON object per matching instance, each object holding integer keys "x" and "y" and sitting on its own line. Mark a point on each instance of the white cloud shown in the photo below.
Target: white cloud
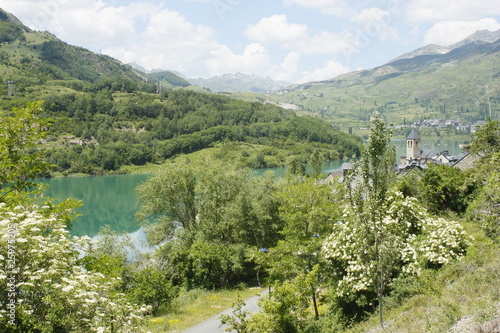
{"x": 148, "y": 33}
{"x": 461, "y": 10}
{"x": 82, "y": 22}
{"x": 449, "y": 32}
{"x": 290, "y": 67}
{"x": 376, "y": 22}
{"x": 329, "y": 70}
{"x": 332, "y": 7}
{"x": 169, "y": 41}
{"x": 254, "y": 59}
{"x": 277, "y": 31}
{"x": 327, "y": 43}
{"x": 373, "y": 14}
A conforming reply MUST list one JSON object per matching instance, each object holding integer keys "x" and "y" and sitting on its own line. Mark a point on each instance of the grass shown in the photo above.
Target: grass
{"x": 195, "y": 306}
{"x": 468, "y": 290}
{"x": 409, "y": 97}
{"x": 148, "y": 168}
{"x": 240, "y": 153}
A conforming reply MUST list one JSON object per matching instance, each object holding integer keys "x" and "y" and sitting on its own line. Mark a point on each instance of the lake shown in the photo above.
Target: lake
{"x": 111, "y": 200}
{"x": 438, "y": 144}
{"x": 107, "y": 200}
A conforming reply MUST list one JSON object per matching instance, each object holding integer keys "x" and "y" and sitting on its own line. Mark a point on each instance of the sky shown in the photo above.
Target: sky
{"x": 287, "y": 40}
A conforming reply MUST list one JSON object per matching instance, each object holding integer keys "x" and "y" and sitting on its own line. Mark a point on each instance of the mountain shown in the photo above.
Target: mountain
{"x": 166, "y": 78}
{"x": 239, "y": 82}
{"x": 106, "y": 115}
{"x": 461, "y": 82}
{"x": 432, "y": 49}
{"x": 479, "y": 36}
{"x": 28, "y": 56}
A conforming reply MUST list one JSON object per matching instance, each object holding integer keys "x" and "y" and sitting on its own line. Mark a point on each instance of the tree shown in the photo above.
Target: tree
{"x": 368, "y": 186}
{"x": 169, "y": 198}
{"x": 413, "y": 240}
{"x": 43, "y": 281}
{"x": 485, "y": 209}
{"x": 239, "y": 320}
{"x": 297, "y": 167}
{"x": 213, "y": 213}
{"x": 284, "y": 310}
{"x": 20, "y": 130}
{"x": 317, "y": 160}
{"x": 153, "y": 287}
{"x": 446, "y": 188}
{"x": 309, "y": 211}
{"x": 487, "y": 139}
{"x": 383, "y": 234}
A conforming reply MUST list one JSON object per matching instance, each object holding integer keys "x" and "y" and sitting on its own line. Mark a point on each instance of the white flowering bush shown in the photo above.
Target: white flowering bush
{"x": 43, "y": 287}
{"x": 412, "y": 240}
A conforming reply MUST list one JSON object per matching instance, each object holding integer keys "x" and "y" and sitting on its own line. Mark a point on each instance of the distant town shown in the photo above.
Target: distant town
{"x": 446, "y": 123}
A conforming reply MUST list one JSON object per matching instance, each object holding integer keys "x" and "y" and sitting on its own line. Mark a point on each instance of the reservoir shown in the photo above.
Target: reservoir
{"x": 111, "y": 200}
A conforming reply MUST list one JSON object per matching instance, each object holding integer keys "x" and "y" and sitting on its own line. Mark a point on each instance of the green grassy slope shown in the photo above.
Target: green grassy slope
{"x": 462, "y": 85}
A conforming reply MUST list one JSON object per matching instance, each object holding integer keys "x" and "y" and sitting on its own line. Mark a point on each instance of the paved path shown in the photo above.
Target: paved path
{"x": 212, "y": 325}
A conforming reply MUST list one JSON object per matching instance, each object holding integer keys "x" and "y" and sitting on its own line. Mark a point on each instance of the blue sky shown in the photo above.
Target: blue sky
{"x": 288, "y": 40}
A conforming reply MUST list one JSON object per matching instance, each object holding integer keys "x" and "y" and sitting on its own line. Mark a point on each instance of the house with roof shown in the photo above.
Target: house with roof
{"x": 414, "y": 153}
{"x": 417, "y": 158}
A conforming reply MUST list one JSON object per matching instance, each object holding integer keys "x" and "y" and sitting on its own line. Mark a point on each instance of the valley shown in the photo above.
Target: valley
{"x": 226, "y": 177}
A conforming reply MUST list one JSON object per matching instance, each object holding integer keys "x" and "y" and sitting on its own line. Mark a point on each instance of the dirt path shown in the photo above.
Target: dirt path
{"x": 212, "y": 325}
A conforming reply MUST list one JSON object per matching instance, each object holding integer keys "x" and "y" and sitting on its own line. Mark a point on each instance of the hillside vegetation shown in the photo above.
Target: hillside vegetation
{"x": 140, "y": 128}
{"x": 462, "y": 84}
{"x": 335, "y": 254}
{"x": 104, "y": 115}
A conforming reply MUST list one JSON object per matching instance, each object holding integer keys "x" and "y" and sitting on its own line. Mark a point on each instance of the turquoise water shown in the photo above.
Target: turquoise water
{"x": 111, "y": 200}
{"x": 107, "y": 200}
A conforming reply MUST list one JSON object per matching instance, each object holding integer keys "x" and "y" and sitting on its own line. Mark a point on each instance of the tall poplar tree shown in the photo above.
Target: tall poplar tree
{"x": 368, "y": 184}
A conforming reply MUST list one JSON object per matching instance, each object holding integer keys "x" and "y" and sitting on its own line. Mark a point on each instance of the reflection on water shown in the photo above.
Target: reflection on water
{"x": 139, "y": 244}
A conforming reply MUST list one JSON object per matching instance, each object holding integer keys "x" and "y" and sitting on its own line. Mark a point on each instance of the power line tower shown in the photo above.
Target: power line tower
{"x": 11, "y": 88}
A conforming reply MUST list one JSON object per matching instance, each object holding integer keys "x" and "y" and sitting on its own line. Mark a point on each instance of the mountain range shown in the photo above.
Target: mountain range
{"x": 460, "y": 81}
{"x": 433, "y": 49}
{"x": 239, "y": 82}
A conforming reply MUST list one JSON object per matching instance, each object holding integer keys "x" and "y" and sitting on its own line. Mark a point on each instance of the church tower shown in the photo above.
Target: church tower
{"x": 413, "y": 145}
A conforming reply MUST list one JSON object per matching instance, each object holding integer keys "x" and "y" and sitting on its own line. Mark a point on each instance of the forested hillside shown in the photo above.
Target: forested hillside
{"x": 105, "y": 115}
{"x": 118, "y": 128}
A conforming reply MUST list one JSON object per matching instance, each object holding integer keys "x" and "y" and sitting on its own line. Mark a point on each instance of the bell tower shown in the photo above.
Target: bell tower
{"x": 413, "y": 145}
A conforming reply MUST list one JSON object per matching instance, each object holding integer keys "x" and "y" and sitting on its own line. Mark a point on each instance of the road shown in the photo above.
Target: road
{"x": 212, "y": 325}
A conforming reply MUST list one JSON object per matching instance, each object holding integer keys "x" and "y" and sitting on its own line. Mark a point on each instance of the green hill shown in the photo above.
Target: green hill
{"x": 462, "y": 84}
{"x": 32, "y": 57}
{"x": 105, "y": 115}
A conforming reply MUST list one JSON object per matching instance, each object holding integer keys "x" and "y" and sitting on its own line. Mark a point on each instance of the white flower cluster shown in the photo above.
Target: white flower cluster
{"x": 411, "y": 240}
{"x": 51, "y": 287}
